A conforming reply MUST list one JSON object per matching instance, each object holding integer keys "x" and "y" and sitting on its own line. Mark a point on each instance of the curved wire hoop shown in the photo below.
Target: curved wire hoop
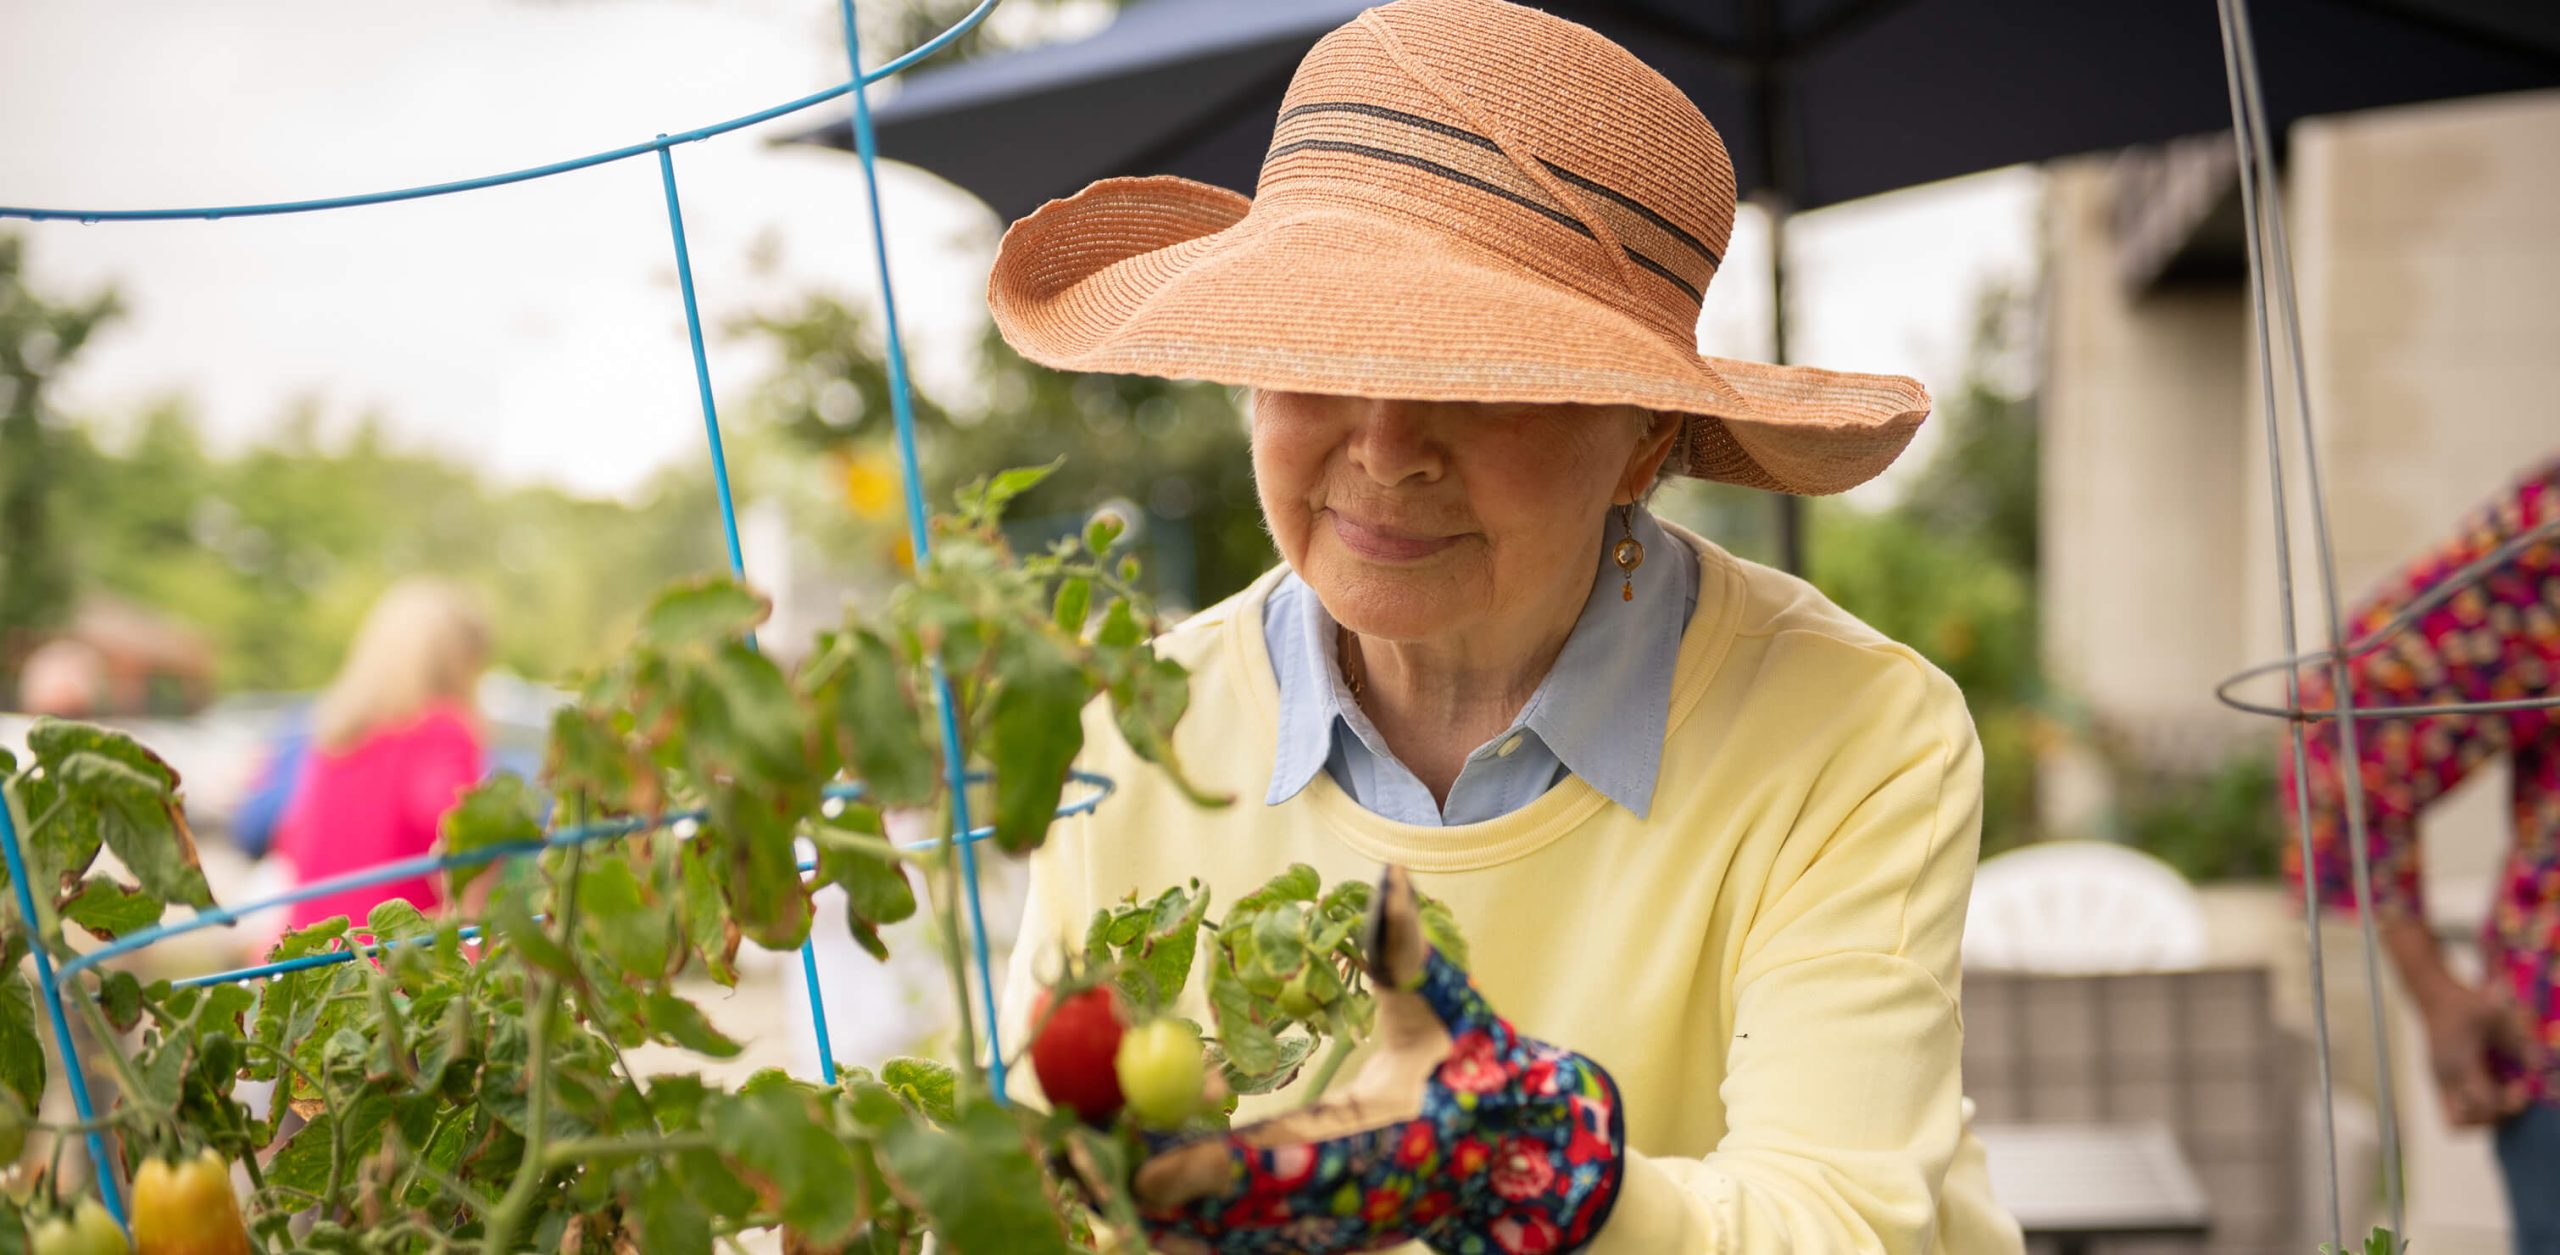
{"x": 2451, "y": 587}
{"x": 660, "y": 144}
{"x": 1097, "y": 788}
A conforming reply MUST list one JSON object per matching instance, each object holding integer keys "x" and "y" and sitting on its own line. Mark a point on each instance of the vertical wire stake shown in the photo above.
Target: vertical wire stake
{"x": 103, "y": 1168}
{"x": 2359, "y": 858}
{"x": 729, "y": 526}
{"x": 2241, "y": 122}
{"x": 902, "y": 408}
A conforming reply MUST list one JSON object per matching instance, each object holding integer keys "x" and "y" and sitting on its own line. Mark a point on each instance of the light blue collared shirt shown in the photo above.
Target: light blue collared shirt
{"x": 1599, "y": 714}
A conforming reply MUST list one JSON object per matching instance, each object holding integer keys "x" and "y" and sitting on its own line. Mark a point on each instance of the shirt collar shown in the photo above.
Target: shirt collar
{"x": 1604, "y": 706}
{"x": 1602, "y": 709}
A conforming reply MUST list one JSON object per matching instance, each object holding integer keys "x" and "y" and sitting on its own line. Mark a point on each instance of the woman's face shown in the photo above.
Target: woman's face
{"x": 1428, "y": 520}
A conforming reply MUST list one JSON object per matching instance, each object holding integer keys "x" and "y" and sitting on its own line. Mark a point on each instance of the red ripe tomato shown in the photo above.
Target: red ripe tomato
{"x": 1073, "y": 1055}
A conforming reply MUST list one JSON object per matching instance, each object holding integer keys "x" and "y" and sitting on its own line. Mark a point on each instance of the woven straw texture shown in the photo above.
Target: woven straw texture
{"x": 1464, "y": 200}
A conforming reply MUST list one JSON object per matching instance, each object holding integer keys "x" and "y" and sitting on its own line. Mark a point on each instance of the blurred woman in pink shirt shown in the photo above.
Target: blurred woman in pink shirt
{"x": 394, "y": 740}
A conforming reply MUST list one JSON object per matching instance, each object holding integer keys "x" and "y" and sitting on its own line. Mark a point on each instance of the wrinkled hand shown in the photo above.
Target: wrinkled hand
{"x": 2479, "y": 1047}
{"x": 1458, "y": 1133}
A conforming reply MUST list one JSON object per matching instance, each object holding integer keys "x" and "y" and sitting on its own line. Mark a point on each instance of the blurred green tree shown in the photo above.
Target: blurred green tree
{"x": 38, "y": 337}
{"x": 1174, "y": 456}
{"x": 277, "y": 551}
{"x": 1949, "y": 568}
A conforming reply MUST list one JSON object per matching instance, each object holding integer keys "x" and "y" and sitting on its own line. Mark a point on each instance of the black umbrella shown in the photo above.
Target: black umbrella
{"x": 1819, "y": 101}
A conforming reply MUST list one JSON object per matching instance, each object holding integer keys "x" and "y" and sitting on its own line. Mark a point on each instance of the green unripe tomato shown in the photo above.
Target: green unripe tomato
{"x": 1162, "y": 1073}
{"x": 1308, "y": 993}
{"x": 89, "y": 1230}
{"x": 98, "y": 1230}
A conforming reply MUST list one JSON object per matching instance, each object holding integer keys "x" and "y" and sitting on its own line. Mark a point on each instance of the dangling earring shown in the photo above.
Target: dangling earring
{"x": 1629, "y": 552}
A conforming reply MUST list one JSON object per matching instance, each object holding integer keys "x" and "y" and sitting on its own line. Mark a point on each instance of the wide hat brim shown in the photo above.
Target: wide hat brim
{"x": 1167, "y": 277}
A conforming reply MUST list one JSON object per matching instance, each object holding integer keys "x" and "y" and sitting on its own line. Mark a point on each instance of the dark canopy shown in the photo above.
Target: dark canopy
{"x": 1856, "y": 96}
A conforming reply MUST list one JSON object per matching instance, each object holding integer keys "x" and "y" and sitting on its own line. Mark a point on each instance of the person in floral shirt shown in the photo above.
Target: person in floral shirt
{"x": 2494, "y": 1047}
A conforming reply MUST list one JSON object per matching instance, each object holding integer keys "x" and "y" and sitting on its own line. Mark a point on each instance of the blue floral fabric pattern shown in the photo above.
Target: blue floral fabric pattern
{"x": 1519, "y": 1150}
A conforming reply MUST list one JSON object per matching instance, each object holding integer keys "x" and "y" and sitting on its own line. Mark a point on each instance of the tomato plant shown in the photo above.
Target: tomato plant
{"x": 462, "y": 1090}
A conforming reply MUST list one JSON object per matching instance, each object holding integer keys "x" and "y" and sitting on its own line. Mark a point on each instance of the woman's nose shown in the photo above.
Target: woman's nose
{"x": 1395, "y": 441}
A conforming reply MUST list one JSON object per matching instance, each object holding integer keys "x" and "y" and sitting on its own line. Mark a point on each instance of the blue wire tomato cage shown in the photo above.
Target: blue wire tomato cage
{"x": 964, "y": 837}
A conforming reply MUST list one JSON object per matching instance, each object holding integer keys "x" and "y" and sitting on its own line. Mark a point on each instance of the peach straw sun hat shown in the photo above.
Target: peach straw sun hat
{"x": 1464, "y": 200}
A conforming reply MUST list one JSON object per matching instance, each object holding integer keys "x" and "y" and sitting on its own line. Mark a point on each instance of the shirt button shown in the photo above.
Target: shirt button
{"x": 1509, "y": 746}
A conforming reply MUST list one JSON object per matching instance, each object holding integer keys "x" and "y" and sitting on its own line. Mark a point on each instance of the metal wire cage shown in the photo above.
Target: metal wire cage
{"x": 2272, "y": 290}
{"x": 52, "y": 981}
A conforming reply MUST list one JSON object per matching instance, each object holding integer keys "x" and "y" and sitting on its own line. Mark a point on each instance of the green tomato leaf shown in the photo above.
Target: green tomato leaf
{"x": 1119, "y": 629}
{"x": 21, "y": 1052}
{"x": 303, "y": 1164}
{"x": 1440, "y": 928}
{"x": 1007, "y": 485}
{"x": 615, "y": 913}
{"x": 1293, "y": 1052}
{"x": 120, "y": 996}
{"x": 746, "y": 720}
{"x": 876, "y": 886}
{"x": 1249, "y": 1047}
{"x": 931, "y": 1087}
{"x": 588, "y": 757}
{"x": 871, "y": 1104}
{"x": 1297, "y": 884}
{"x": 977, "y": 1182}
{"x": 1165, "y": 954}
{"x": 288, "y": 1005}
{"x": 397, "y": 919}
{"x": 109, "y": 910}
{"x": 668, "y": 1219}
{"x": 707, "y": 925}
{"x": 510, "y": 916}
{"x": 138, "y": 817}
{"x": 763, "y": 890}
{"x": 1036, "y": 730}
{"x": 1074, "y": 602}
{"x": 498, "y": 811}
{"x": 879, "y": 725}
{"x": 705, "y": 613}
{"x": 770, "y": 1134}
{"x": 161, "y": 1071}
{"x": 683, "y": 1023}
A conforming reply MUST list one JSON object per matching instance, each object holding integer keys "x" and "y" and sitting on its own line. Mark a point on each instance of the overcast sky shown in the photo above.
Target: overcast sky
{"x": 536, "y": 329}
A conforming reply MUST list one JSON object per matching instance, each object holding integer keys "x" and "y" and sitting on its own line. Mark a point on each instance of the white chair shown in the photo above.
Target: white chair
{"x": 2082, "y": 907}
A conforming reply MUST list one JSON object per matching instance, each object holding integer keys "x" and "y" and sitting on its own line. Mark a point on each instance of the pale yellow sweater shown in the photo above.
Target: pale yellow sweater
{"x": 1767, "y": 965}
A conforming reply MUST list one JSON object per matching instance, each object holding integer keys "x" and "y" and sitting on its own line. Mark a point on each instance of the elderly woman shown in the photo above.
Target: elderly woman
{"x": 1709, "y": 837}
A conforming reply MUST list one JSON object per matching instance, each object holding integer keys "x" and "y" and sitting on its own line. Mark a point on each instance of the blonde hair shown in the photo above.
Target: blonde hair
{"x": 424, "y": 641}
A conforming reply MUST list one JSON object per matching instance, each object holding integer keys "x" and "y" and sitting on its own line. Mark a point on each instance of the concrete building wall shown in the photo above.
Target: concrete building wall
{"x": 2143, "y": 455}
{"x": 2426, "y": 246}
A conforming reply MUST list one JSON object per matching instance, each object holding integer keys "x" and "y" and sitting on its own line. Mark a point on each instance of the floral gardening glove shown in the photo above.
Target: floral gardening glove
{"x": 1459, "y": 1133}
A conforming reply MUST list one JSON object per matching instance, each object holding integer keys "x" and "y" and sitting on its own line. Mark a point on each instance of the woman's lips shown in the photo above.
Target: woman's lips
{"x": 1380, "y": 543}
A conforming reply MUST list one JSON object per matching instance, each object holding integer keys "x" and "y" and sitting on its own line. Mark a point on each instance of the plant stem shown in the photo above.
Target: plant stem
{"x": 101, "y": 1124}
{"x": 947, "y": 909}
{"x": 1333, "y": 1056}
{"x": 462, "y": 1193}
{"x": 877, "y": 847}
{"x": 106, "y": 1035}
{"x": 513, "y": 1208}
{"x": 337, "y": 1147}
{"x": 573, "y": 1150}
